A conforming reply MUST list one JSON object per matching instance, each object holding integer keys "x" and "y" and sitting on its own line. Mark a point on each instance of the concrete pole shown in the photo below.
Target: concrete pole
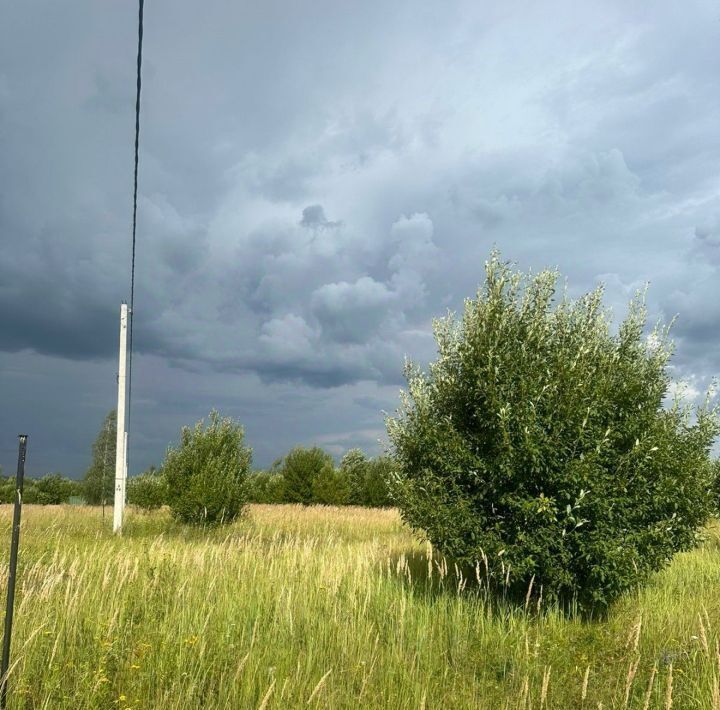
{"x": 120, "y": 442}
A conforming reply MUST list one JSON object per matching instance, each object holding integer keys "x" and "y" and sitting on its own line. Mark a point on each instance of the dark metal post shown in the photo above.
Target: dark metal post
{"x": 13, "y": 567}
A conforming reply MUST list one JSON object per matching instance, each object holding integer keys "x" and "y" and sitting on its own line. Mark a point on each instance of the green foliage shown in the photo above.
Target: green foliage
{"x": 354, "y": 464}
{"x": 331, "y": 487}
{"x": 148, "y": 490}
{"x": 99, "y": 481}
{"x": 358, "y": 481}
{"x": 7, "y": 489}
{"x": 300, "y": 468}
{"x": 715, "y": 478}
{"x": 206, "y": 473}
{"x": 265, "y": 487}
{"x": 538, "y": 443}
{"x": 368, "y": 478}
{"x": 378, "y": 474}
{"x": 54, "y": 489}
{"x": 51, "y": 489}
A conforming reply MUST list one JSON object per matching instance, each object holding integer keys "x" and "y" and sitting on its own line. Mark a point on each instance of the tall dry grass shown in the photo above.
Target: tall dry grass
{"x": 333, "y": 608}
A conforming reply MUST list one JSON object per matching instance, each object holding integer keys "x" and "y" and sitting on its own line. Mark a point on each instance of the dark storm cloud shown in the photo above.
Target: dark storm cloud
{"x": 318, "y": 182}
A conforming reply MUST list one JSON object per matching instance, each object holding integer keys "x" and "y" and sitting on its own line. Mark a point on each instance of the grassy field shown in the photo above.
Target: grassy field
{"x": 331, "y": 608}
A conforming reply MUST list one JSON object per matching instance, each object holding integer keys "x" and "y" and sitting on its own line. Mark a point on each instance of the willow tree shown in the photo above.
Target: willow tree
{"x": 542, "y": 442}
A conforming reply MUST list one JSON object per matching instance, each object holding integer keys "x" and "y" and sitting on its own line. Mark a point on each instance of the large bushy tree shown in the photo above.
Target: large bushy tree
{"x": 205, "y": 473}
{"x": 541, "y": 443}
{"x": 99, "y": 482}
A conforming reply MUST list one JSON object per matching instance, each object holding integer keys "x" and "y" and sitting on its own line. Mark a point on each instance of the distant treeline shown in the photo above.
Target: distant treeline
{"x": 305, "y": 475}
{"x": 52, "y": 489}
{"x": 309, "y": 476}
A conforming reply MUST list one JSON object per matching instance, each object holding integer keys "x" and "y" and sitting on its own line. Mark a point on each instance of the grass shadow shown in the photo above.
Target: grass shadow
{"x": 148, "y": 526}
{"x": 435, "y": 576}
{"x": 140, "y": 524}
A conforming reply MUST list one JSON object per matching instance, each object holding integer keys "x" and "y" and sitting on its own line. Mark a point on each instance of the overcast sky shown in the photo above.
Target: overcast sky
{"x": 318, "y": 180}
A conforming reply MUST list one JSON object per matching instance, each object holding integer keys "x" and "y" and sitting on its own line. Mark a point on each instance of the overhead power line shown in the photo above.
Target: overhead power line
{"x": 134, "y": 217}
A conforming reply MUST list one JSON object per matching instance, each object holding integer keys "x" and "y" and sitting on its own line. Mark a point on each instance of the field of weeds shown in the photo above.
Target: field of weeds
{"x": 332, "y": 608}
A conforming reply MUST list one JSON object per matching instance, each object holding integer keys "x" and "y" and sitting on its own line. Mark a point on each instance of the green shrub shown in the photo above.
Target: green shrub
{"x": 265, "y": 487}
{"x": 255, "y": 485}
{"x": 331, "y": 487}
{"x": 7, "y": 489}
{"x": 53, "y": 489}
{"x": 354, "y": 465}
{"x": 538, "y": 442}
{"x": 275, "y": 488}
{"x": 715, "y": 477}
{"x": 300, "y": 468}
{"x": 206, "y": 473}
{"x": 378, "y": 475}
{"x": 30, "y": 492}
{"x": 148, "y": 490}
{"x": 368, "y": 478}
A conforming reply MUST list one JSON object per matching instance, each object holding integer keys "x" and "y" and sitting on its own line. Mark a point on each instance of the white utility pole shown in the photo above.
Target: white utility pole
{"x": 125, "y": 461}
{"x": 121, "y": 440}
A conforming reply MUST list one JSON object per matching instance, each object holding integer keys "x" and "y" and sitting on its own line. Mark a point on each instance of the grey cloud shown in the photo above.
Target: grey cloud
{"x": 314, "y": 217}
{"x": 416, "y": 255}
{"x": 374, "y": 404}
{"x": 594, "y": 148}
{"x": 694, "y": 302}
{"x": 292, "y": 320}
{"x": 351, "y": 312}
{"x": 707, "y": 239}
{"x": 111, "y": 94}
{"x": 288, "y": 338}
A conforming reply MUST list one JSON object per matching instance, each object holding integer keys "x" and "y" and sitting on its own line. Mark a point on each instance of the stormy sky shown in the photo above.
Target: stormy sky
{"x": 318, "y": 180}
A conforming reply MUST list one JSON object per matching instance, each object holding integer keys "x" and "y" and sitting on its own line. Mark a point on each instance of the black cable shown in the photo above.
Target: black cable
{"x": 134, "y": 220}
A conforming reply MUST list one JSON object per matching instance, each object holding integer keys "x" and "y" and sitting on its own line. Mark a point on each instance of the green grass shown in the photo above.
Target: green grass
{"x": 331, "y": 608}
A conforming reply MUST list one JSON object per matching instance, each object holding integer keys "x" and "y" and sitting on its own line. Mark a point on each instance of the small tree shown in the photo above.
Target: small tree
{"x": 99, "y": 481}
{"x": 148, "y": 490}
{"x": 300, "y": 468}
{"x": 206, "y": 473}
{"x": 255, "y": 486}
{"x": 265, "y": 487}
{"x": 378, "y": 475}
{"x": 7, "y": 490}
{"x": 30, "y": 491}
{"x": 331, "y": 487}
{"x": 368, "y": 478}
{"x": 538, "y": 442}
{"x": 354, "y": 466}
{"x": 275, "y": 488}
{"x": 54, "y": 489}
